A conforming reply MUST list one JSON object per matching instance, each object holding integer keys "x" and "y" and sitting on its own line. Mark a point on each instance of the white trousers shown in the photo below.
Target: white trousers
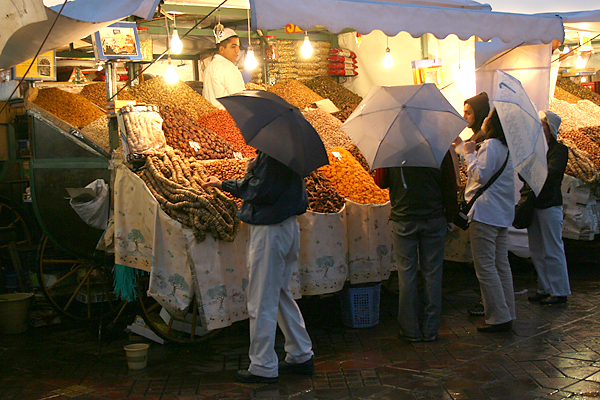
{"x": 547, "y": 251}
{"x": 489, "y": 245}
{"x": 272, "y": 258}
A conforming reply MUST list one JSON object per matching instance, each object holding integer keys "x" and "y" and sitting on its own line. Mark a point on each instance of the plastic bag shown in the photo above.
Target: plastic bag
{"x": 94, "y": 212}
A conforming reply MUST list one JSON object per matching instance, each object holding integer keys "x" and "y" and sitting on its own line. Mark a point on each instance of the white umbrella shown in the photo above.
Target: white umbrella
{"x": 523, "y": 130}
{"x": 410, "y": 126}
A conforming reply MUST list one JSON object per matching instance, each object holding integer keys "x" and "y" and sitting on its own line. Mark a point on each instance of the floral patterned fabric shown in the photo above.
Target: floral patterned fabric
{"x": 370, "y": 251}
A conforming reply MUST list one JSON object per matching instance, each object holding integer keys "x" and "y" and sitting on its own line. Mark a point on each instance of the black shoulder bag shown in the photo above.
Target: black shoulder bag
{"x": 461, "y": 219}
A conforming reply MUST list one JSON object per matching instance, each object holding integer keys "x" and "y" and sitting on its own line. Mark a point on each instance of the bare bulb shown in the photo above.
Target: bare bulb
{"x": 388, "y": 61}
{"x": 171, "y": 75}
{"x": 306, "y": 49}
{"x": 250, "y": 62}
{"x": 580, "y": 63}
{"x": 583, "y": 79}
{"x": 176, "y": 44}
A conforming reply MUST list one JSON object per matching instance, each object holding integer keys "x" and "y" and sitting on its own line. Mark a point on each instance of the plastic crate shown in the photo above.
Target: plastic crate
{"x": 360, "y": 305}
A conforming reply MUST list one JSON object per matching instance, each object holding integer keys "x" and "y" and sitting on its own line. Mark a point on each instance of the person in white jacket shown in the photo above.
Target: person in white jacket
{"x": 491, "y": 215}
{"x": 221, "y": 77}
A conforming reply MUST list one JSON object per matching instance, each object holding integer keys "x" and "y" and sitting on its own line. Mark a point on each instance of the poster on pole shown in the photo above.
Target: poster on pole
{"x": 43, "y": 68}
{"x": 118, "y": 41}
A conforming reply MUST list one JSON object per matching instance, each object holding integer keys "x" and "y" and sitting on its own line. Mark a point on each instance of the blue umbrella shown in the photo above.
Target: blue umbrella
{"x": 277, "y": 128}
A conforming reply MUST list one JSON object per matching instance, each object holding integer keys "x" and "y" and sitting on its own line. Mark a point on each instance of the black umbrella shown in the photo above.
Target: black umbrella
{"x": 278, "y": 129}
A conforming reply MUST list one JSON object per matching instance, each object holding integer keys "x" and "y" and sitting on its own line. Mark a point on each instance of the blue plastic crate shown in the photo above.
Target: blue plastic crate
{"x": 360, "y": 305}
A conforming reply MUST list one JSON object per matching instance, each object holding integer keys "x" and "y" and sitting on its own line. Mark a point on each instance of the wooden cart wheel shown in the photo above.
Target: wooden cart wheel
{"x": 167, "y": 329}
{"x": 79, "y": 289}
{"x": 11, "y": 217}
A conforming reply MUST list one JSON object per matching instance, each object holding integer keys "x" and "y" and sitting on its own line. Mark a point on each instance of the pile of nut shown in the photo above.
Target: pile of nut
{"x": 580, "y": 123}
{"x": 351, "y": 180}
{"x": 96, "y": 93}
{"x": 97, "y": 132}
{"x": 328, "y": 88}
{"x": 578, "y": 90}
{"x": 295, "y": 93}
{"x": 328, "y": 128}
{"x": 345, "y": 112}
{"x": 222, "y": 123}
{"x": 70, "y": 107}
{"x": 322, "y": 196}
{"x": 180, "y": 95}
{"x": 192, "y": 139}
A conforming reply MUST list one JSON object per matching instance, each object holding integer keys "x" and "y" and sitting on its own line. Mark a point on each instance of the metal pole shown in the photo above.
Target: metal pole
{"x": 110, "y": 71}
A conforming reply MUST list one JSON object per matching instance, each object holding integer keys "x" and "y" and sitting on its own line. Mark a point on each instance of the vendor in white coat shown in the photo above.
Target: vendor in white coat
{"x": 221, "y": 76}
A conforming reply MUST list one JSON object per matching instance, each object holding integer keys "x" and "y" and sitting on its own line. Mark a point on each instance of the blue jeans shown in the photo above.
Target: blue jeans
{"x": 419, "y": 245}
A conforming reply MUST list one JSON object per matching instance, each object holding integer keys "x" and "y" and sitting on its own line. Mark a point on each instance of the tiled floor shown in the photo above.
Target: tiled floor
{"x": 553, "y": 352}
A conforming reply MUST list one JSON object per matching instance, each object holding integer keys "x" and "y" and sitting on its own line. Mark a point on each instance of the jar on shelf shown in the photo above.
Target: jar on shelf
{"x": 271, "y": 53}
{"x": 145, "y": 43}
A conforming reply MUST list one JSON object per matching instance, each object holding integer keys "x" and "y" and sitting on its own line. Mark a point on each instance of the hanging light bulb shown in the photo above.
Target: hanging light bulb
{"x": 171, "y": 75}
{"x": 583, "y": 79}
{"x": 306, "y": 49}
{"x": 580, "y": 63}
{"x": 176, "y": 43}
{"x": 566, "y": 50}
{"x": 99, "y": 67}
{"x": 388, "y": 61}
{"x": 250, "y": 61}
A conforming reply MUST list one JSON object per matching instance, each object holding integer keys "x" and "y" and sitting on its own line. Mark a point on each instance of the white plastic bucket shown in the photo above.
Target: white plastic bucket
{"x": 14, "y": 311}
{"x": 137, "y": 355}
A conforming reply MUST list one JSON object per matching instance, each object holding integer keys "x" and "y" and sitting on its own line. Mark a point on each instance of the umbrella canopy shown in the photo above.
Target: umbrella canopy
{"x": 523, "y": 130}
{"x": 409, "y": 126}
{"x": 278, "y": 129}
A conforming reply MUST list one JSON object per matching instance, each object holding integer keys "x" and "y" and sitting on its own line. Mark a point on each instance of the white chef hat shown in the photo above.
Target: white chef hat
{"x": 227, "y": 33}
{"x": 552, "y": 120}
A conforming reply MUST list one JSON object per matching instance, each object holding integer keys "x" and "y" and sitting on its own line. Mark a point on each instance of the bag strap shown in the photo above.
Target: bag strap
{"x": 489, "y": 183}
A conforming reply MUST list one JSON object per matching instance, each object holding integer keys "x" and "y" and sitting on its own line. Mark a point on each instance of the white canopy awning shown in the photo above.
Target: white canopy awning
{"x": 579, "y": 20}
{"x": 391, "y": 18}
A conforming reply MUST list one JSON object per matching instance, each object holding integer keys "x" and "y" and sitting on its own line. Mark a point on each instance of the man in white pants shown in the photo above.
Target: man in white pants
{"x": 273, "y": 196}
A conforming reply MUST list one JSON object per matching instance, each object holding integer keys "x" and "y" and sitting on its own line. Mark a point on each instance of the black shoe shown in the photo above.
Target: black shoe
{"x": 505, "y": 327}
{"x": 409, "y": 338}
{"x": 430, "y": 339}
{"x": 246, "y": 377}
{"x": 477, "y": 309}
{"x": 538, "y": 297}
{"x": 554, "y": 300}
{"x": 305, "y": 368}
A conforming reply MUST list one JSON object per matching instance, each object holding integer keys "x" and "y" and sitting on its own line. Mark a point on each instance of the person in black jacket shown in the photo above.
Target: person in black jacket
{"x": 545, "y": 232}
{"x": 423, "y": 203}
{"x": 273, "y": 196}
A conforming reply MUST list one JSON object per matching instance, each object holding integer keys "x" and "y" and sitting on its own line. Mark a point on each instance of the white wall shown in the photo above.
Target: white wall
{"x": 529, "y": 64}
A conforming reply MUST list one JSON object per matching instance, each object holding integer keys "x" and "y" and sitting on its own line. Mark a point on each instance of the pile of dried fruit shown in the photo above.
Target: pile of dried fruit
{"x": 328, "y": 88}
{"x": 224, "y": 169}
{"x": 70, "y": 107}
{"x": 222, "y": 123}
{"x": 322, "y": 196}
{"x": 296, "y": 93}
{"x": 96, "y": 93}
{"x": 158, "y": 92}
{"x": 351, "y": 180}
{"x": 178, "y": 189}
{"x": 191, "y": 138}
{"x": 562, "y": 94}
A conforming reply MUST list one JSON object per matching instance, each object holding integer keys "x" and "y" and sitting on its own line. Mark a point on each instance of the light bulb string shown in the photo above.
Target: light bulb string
{"x": 249, "y": 43}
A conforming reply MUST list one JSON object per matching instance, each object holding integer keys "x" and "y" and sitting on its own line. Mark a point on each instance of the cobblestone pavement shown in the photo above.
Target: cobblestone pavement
{"x": 553, "y": 352}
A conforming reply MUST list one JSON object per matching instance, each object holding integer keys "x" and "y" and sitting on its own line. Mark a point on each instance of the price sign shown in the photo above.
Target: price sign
{"x": 291, "y": 28}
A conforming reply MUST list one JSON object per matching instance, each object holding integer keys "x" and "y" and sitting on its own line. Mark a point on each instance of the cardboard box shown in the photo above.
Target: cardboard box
{"x": 139, "y": 327}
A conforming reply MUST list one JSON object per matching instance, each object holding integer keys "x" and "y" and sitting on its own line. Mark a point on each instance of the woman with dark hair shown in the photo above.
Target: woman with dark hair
{"x": 476, "y": 109}
{"x": 491, "y": 215}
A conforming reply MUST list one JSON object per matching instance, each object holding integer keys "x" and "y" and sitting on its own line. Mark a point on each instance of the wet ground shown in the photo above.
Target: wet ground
{"x": 553, "y": 352}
